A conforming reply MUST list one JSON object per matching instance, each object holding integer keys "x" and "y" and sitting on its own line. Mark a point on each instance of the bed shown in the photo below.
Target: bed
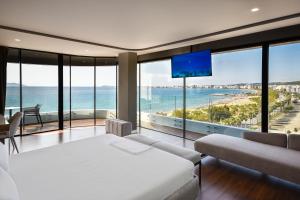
{"x": 103, "y": 167}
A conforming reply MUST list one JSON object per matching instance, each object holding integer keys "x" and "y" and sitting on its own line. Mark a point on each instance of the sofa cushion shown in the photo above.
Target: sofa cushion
{"x": 142, "y": 139}
{"x": 185, "y": 153}
{"x": 294, "y": 142}
{"x": 276, "y": 139}
{"x": 274, "y": 160}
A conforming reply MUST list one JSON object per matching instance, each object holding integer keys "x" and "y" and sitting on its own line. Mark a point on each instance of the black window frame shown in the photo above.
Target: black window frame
{"x": 109, "y": 61}
{"x": 265, "y": 46}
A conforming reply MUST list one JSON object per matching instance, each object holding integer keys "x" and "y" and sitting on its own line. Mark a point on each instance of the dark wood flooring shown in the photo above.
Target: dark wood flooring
{"x": 220, "y": 180}
{"x": 225, "y": 181}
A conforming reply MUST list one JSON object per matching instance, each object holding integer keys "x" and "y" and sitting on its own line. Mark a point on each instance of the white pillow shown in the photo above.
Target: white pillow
{"x": 8, "y": 188}
{"x": 4, "y": 163}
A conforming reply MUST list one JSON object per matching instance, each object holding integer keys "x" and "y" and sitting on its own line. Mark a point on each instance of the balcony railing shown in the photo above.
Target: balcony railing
{"x": 202, "y": 128}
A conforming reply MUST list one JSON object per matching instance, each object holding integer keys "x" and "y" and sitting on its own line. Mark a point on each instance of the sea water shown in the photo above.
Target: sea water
{"x": 152, "y": 99}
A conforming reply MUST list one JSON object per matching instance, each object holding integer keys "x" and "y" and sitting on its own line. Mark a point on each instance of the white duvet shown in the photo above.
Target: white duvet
{"x": 93, "y": 169}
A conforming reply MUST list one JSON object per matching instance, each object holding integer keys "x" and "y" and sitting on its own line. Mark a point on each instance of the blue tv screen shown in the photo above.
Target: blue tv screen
{"x": 192, "y": 64}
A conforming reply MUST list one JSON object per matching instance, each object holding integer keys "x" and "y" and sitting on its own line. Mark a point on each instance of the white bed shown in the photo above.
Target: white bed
{"x": 96, "y": 169}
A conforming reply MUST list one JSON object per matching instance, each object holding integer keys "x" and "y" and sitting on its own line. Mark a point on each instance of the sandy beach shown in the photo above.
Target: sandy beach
{"x": 237, "y": 100}
{"x": 234, "y": 100}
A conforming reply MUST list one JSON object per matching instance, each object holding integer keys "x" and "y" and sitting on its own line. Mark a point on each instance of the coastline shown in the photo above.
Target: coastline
{"x": 238, "y": 99}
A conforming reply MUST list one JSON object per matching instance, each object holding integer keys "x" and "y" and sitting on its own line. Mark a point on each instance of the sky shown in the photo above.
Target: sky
{"x": 45, "y": 75}
{"x": 233, "y": 67}
{"x": 228, "y": 68}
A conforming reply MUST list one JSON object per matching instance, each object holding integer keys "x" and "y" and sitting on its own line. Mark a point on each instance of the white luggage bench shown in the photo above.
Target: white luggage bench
{"x": 118, "y": 127}
{"x": 188, "y": 154}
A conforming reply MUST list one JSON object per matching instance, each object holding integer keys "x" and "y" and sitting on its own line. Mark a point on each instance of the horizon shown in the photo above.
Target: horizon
{"x": 270, "y": 83}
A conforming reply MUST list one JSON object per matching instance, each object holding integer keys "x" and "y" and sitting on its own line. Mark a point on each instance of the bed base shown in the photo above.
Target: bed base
{"x": 187, "y": 192}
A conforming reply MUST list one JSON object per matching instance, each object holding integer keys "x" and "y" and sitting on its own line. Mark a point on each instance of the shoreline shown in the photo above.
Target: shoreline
{"x": 240, "y": 99}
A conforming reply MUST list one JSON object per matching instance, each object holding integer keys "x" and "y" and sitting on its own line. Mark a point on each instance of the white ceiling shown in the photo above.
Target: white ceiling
{"x": 133, "y": 24}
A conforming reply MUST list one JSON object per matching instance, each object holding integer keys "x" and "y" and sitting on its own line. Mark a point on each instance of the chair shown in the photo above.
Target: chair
{"x": 14, "y": 123}
{"x": 33, "y": 111}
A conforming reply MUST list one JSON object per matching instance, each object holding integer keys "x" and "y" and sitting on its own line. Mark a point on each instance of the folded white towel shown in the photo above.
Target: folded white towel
{"x": 130, "y": 146}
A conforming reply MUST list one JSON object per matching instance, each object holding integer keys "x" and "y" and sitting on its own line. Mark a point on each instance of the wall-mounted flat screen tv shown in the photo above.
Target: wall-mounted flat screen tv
{"x": 192, "y": 64}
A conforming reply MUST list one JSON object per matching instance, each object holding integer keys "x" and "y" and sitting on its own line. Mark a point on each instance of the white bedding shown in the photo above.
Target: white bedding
{"x": 93, "y": 169}
{"x": 131, "y": 146}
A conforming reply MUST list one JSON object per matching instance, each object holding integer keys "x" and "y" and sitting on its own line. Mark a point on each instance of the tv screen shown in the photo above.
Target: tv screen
{"x": 192, "y": 64}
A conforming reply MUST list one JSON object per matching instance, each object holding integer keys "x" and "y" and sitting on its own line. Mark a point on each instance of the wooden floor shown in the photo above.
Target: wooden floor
{"x": 224, "y": 181}
{"x": 220, "y": 180}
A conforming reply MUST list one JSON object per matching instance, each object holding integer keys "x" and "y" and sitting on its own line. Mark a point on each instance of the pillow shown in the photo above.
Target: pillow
{"x": 8, "y": 188}
{"x": 4, "y": 163}
{"x": 275, "y": 139}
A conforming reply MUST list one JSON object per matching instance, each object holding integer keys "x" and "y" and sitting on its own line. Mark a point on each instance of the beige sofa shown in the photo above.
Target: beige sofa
{"x": 271, "y": 153}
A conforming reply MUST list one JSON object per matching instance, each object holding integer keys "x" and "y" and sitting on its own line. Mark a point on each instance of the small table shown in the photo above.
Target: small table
{"x": 10, "y": 109}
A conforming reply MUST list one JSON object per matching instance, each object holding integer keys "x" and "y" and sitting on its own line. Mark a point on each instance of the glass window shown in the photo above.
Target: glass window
{"x": 138, "y": 95}
{"x": 39, "y": 98}
{"x": 105, "y": 93}
{"x": 82, "y": 91}
{"x": 12, "y": 104}
{"x": 229, "y": 101}
{"x": 284, "y": 88}
{"x": 161, "y": 98}
{"x": 67, "y": 91}
{"x": 39, "y": 91}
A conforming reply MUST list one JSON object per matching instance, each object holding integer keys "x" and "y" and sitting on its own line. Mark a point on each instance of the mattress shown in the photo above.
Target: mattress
{"x": 94, "y": 169}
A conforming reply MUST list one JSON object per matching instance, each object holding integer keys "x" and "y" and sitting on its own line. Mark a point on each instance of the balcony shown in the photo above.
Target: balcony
{"x": 80, "y": 118}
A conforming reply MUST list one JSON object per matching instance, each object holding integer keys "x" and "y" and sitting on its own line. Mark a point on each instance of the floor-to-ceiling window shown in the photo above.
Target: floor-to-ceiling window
{"x": 82, "y": 91}
{"x": 67, "y": 91}
{"x": 105, "y": 93}
{"x": 161, "y": 98}
{"x": 229, "y": 101}
{"x": 284, "y": 88}
{"x": 138, "y": 94}
{"x": 39, "y": 91}
{"x": 13, "y": 83}
{"x": 89, "y": 89}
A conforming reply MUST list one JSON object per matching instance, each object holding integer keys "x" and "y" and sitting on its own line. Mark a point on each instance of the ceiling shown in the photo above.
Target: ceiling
{"x": 134, "y": 25}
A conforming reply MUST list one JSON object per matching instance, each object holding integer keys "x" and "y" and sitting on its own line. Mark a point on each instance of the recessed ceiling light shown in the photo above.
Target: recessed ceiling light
{"x": 17, "y": 40}
{"x": 254, "y": 9}
{"x": 86, "y": 50}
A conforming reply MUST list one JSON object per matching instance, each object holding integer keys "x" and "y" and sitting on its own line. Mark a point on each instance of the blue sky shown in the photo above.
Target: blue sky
{"x": 233, "y": 67}
{"x": 228, "y": 68}
{"x": 285, "y": 63}
{"x": 45, "y": 75}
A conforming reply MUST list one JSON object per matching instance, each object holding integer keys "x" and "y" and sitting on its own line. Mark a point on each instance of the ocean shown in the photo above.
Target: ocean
{"x": 169, "y": 99}
{"x": 152, "y": 99}
{"x": 82, "y": 97}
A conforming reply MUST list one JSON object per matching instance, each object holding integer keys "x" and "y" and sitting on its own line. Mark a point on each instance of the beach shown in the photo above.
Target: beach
{"x": 169, "y": 99}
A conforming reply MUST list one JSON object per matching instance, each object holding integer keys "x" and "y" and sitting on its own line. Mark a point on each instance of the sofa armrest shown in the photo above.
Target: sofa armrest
{"x": 275, "y": 139}
{"x": 294, "y": 142}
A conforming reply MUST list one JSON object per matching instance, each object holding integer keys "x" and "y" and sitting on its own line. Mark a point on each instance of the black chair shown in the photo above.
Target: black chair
{"x": 33, "y": 112}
